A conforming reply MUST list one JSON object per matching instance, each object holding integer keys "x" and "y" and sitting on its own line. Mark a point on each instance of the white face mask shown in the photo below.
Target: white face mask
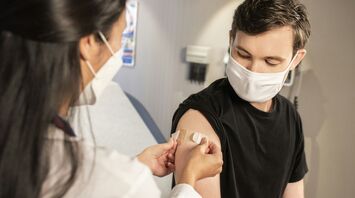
{"x": 252, "y": 86}
{"x": 102, "y": 78}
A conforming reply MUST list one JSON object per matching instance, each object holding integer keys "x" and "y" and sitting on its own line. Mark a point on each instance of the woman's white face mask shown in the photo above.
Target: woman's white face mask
{"x": 102, "y": 78}
{"x": 252, "y": 86}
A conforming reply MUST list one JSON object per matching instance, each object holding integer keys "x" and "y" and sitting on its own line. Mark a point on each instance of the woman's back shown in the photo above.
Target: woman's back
{"x": 41, "y": 76}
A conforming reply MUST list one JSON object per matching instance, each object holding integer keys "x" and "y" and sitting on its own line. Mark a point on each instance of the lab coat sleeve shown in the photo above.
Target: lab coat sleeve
{"x": 184, "y": 191}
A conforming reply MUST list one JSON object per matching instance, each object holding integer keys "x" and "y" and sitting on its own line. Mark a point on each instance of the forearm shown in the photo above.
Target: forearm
{"x": 294, "y": 190}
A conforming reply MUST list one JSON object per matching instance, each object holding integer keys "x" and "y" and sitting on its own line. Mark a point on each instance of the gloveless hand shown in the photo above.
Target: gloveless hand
{"x": 205, "y": 160}
{"x": 160, "y": 158}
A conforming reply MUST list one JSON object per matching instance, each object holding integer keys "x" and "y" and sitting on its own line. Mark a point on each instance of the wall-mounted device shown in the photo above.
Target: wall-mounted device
{"x": 199, "y": 59}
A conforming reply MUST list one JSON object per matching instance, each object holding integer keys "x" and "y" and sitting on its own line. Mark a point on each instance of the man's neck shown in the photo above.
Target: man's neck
{"x": 263, "y": 106}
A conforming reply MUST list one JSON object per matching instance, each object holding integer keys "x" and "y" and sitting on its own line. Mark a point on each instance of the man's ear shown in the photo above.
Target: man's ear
{"x": 88, "y": 47}
{"x": 300, "y": 56}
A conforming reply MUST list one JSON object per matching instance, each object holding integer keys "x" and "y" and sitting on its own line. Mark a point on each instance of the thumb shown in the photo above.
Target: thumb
{"x": 169, "y": 145}
{"x": 204, "y": 145}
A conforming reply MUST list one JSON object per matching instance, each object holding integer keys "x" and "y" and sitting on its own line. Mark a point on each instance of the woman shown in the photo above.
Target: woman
{"x": 54, "y": 54}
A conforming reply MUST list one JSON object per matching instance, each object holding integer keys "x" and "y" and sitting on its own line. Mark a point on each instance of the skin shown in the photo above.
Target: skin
{"x": 194, "y": 121}
{"x": 97, "y": 53}
{"x": 204, "y": 160}
{"x": 269, "y": 52}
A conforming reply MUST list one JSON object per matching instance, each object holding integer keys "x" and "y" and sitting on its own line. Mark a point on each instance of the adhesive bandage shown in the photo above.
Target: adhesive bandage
{"x": 184, "y": 135}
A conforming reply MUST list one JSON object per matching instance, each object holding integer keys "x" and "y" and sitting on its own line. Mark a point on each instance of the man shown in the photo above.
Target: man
{"x": 259, "y": 131}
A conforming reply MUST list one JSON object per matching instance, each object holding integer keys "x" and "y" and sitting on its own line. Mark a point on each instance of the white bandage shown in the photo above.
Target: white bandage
{"x": 197, "y": 137}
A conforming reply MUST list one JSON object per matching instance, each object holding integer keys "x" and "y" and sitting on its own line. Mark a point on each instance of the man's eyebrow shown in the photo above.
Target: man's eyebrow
{"x": 277, "y": 58}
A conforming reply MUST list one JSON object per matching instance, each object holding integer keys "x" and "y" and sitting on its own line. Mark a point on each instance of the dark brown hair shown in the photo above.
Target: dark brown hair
{"x": 39, "y": 69}
{"x": 257, "y": 16}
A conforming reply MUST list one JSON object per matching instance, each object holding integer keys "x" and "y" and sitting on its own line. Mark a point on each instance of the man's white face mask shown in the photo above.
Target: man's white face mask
{"x": 252, "y": 86}
{"x": 102, "y": 78}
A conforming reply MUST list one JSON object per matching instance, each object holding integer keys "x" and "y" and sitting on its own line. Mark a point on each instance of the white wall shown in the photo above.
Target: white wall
{"x": 327, "y": 100}
{"x": 165, "y": 28}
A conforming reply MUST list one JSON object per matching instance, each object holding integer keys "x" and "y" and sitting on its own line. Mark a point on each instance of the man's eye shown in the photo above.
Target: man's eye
{"x": 243, "y": 55}
{"x": 272, "y": 62}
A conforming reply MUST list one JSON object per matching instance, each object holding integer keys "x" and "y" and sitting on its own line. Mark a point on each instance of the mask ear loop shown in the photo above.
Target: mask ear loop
{"x": 103, "y": 38}
{"x": 293, "y": 59}
{"x": 288, "y": 69}
{"x": 91, "y": 68}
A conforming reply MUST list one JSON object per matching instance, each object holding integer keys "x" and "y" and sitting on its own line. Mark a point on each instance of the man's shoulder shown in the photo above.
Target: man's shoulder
{"x": 209, "y": 101}
{"x": 215, "y": 92}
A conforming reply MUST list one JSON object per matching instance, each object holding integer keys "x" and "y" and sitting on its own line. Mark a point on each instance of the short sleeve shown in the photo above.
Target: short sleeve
{"x": 208, "y": 102}
{"x": 205, "y": 105}
{"x": 300, "y": 167}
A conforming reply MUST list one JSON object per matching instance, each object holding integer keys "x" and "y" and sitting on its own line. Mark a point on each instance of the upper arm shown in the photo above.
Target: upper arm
{"x": 193, "y": 120}
{"x": 294, "y": 190}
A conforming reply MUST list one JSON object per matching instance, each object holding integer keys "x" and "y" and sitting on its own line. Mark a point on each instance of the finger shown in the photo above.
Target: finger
{"x": 171, "y": 157}
{"x": 178, "y": 141}
{"x": 171, "y": 143}
{"x": 166, "y": 146}
{"x": 175, "y": 144}
{"x": 208, "y": 150}
{"x": 173, "y": 149}
{"x": 204, "y": 145}
{"x": 218, "y": 157}
{"x": 213, "y": 148}
{"x": 169, "y": 164}
{"x": 171, "y": 167}
{"x": 203, "y": 141}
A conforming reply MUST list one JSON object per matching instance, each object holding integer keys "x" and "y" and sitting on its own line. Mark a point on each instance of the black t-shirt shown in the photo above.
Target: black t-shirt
{"x": 262, "y": 151}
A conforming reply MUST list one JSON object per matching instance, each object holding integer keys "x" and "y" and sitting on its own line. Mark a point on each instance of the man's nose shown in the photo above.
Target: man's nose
{"x": 253, "y": 66}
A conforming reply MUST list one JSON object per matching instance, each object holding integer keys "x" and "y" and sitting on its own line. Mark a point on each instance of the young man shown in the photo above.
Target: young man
{"x": 259, "y": 131}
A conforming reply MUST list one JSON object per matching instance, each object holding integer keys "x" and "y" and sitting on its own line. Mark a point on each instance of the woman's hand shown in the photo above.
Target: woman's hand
{"x": 160, "y": 158}
{"x": 205, "y": 160}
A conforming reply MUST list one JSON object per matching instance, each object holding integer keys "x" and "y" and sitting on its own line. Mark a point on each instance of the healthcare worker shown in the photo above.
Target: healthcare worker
{"x": 53, "y": 55}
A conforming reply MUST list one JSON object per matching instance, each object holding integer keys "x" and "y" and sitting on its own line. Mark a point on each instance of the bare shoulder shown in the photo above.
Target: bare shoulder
{"x": 194, "y": 120}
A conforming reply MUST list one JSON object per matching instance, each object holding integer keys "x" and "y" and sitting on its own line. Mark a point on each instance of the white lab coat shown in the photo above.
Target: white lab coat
{"x": 104, "y": 173}
{"x": 116, "y": 125}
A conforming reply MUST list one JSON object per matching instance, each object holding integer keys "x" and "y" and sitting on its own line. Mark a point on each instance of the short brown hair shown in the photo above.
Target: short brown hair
{"x": 258, "y": 16}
